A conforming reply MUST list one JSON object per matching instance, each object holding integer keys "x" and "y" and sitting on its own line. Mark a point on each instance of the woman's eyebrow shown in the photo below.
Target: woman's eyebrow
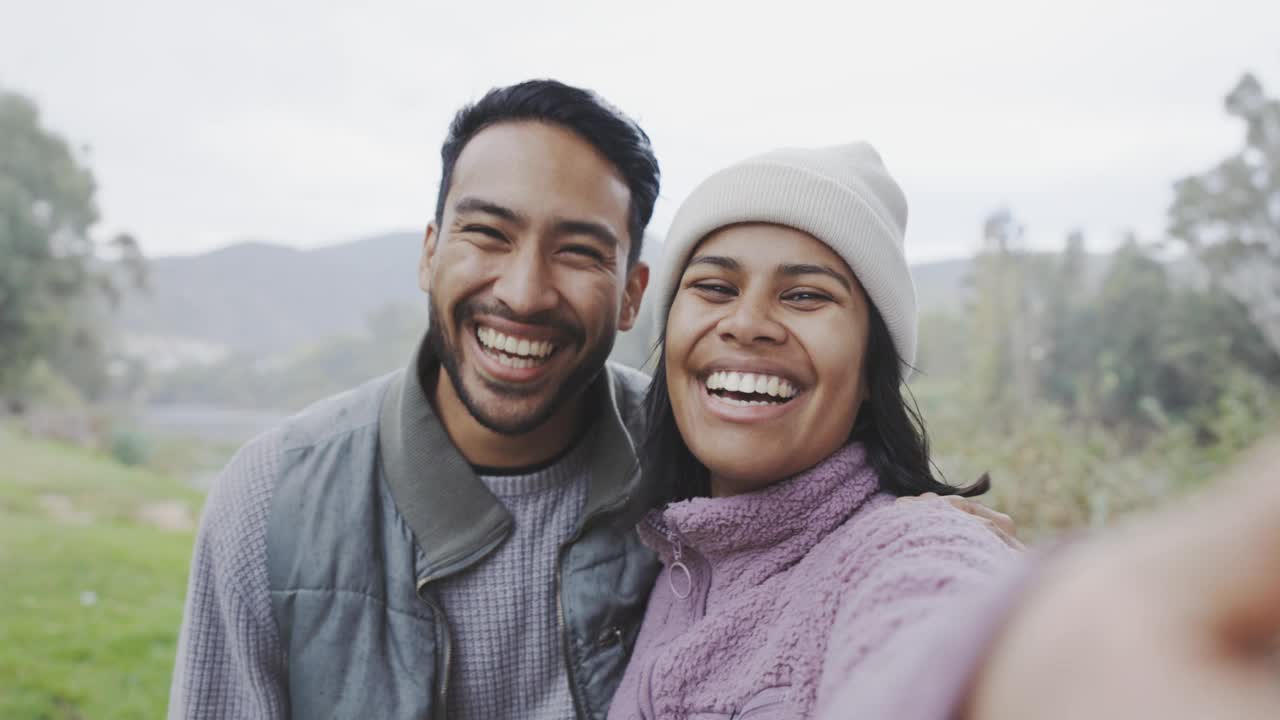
{"x": 719, "y": 261}
{"x": 807, "y": 269}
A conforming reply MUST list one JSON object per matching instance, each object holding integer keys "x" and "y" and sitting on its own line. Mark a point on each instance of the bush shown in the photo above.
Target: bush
{"x": 129, "y": 448}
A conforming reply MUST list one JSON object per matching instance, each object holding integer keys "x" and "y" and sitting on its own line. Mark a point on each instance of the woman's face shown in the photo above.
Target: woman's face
{"x": 764, "y": 350}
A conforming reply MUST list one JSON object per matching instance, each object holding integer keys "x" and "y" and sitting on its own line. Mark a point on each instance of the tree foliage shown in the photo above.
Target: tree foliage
{"x": 52, "y": 282}
{"x": 1132, "y": 350}
{"x": 1229, "y": 216}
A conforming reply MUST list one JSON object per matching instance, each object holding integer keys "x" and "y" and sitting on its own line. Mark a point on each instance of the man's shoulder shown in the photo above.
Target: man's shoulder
{"x": 240, "y": 497}
{"x": 338, "y": 414}
{"x": 629, "y": 387}
{"x": 629, "y": 383}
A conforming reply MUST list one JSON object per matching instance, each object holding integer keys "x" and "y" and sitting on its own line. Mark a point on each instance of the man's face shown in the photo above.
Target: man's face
{"x": 527, "y": 274}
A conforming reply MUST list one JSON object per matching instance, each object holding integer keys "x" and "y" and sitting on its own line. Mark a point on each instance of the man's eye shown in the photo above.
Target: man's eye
{"x": 484, "y": 230}
{"x": 585, "y": 251}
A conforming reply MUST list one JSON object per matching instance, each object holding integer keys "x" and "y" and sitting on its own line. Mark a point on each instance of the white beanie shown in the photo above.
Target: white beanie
{"x": 842, "y": 195}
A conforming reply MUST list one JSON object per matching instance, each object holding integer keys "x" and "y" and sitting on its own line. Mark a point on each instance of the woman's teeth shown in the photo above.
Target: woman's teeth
{"x": 513, "y": 351}
{"x": 750, "y": 384}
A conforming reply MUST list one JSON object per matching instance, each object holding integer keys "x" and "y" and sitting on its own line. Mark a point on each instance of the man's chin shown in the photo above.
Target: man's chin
{"x": 511, "y": 410}
{"x": 505, "y": 422}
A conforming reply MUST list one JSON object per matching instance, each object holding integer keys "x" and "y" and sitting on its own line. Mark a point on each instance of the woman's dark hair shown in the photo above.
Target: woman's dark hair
{"x": 888, "y": 425}
{"x": 580, "y": 111}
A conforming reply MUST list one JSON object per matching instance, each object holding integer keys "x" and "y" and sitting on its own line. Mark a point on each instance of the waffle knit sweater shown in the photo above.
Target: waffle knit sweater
{"x": 502, "y": 613}
{"x": 507, "y": 661}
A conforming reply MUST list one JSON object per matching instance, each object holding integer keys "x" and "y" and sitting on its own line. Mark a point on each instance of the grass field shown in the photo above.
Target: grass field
{"x": 93, "y": 561}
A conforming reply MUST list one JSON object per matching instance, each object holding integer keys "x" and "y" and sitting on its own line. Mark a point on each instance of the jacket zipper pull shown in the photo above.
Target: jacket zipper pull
{"x": 678, "y": 568}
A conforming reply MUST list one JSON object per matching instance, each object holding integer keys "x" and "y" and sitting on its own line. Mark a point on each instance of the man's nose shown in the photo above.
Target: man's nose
{"x": 525, "y": 284}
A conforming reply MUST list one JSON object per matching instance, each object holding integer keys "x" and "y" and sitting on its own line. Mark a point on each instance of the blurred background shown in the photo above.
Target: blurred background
{"x": 211, "y": 214}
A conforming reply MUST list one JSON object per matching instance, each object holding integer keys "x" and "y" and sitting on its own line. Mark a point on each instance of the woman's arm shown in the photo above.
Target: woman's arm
{"x": 1176, "y": 616}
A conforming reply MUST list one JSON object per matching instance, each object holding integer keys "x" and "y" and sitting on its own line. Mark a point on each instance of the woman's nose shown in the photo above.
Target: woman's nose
{"x": 751, "y": 321}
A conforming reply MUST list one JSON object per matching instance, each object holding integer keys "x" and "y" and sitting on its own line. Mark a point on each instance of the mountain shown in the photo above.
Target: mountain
{"x": 263, "y": 300}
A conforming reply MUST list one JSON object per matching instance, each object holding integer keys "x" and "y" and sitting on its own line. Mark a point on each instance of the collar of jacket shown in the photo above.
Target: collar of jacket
{"x": 454, "y": 518}
{"x": 751, "y": 536}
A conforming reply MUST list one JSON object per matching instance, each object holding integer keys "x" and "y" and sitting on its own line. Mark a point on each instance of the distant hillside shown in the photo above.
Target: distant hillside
{"x": 260, "y": 299}
{"x": 941, "y": 285}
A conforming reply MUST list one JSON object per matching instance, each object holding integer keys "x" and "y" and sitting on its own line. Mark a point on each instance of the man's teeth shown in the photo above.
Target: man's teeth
{"x": 771, "y": 385}
{"x": 530, "y": 352}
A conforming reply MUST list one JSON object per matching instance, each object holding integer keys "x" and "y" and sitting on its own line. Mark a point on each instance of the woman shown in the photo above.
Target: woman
{"x": 779, "y": 429}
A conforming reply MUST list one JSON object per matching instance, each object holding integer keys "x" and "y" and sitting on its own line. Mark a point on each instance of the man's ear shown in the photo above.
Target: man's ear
{"x": 429, "y": 242}
{"x": 637, "y": 281}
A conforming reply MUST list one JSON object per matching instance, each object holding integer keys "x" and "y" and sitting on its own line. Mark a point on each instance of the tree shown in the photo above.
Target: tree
{"x": 1133, "y": 332}
{"x": 1005, "y": 319}
{"x": 51, "y": 279}
{"x": 1068, "y": 355}
{"x": 1229, "y": 216}
{"x": 1152, "y": 350}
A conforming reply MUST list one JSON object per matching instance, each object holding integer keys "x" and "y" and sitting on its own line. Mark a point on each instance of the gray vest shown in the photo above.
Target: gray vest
{"x": 355, "y": 542}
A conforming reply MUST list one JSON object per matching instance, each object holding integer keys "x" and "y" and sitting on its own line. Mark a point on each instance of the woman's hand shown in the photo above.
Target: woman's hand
{"x": 1175, "y": 617}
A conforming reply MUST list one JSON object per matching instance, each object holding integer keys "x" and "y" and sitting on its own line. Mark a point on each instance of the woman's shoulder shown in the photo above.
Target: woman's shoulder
{"x": 884, "y": 531}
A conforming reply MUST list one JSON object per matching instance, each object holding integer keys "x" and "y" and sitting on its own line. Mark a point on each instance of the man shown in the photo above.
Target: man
{"x": 457, "y": 538}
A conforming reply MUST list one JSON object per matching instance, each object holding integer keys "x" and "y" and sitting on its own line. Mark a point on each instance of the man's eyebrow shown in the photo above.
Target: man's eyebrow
{"x": 808, "y": 269}
{"x": 488, "y": 207}
{"x": 586, "y": 227}
{"x": 719, "y": 261}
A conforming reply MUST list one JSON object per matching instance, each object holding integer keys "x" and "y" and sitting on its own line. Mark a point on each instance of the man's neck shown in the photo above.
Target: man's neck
{"x": 484, "y": 447}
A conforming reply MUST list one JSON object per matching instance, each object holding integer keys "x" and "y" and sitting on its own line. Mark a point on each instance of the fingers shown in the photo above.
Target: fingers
{"x": 1239, "y": 533}
{"x": 1002, "y": 522}
{"x": 999, "y": 523}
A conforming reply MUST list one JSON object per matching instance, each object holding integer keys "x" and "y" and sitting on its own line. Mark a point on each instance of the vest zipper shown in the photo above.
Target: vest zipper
{"x": 574, "y": 690}
{"x": 442, "y": 689}
{"x": 564, "y": 636}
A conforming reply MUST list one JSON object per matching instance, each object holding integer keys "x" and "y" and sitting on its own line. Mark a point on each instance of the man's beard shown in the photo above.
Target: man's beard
{"x": 581, "y": 376}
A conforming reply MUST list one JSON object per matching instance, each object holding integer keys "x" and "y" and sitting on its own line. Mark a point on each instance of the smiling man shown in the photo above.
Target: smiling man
{"x": 457, "y": 538}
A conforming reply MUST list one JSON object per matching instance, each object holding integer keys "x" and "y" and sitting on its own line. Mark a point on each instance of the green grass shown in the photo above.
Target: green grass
{"x": 64, "y": 654}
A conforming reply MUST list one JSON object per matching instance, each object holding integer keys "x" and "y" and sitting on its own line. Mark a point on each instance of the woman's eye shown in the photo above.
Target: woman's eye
{"x": 715, "y": 289}
{"x": 807, "y": 297}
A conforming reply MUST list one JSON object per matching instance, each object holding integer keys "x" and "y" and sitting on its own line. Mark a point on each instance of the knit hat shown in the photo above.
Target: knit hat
{"x": 842, "y": 195}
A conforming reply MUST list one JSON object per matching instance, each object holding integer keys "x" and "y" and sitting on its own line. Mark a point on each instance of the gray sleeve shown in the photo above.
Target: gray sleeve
{"x": 230, "y": 663}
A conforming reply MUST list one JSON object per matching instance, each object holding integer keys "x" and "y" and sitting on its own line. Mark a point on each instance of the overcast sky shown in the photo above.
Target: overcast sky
{"x": 310, "y": 123}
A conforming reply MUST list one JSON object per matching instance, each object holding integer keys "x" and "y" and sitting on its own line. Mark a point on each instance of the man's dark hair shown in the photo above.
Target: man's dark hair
{"x": 583, "y": 112}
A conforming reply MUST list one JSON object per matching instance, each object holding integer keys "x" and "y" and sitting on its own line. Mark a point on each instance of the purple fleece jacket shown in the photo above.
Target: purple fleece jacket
{"x": 814, "y": 597}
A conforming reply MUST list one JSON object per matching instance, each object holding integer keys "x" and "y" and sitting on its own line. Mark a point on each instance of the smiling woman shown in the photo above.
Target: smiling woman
{"x": 780, "y": 433}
